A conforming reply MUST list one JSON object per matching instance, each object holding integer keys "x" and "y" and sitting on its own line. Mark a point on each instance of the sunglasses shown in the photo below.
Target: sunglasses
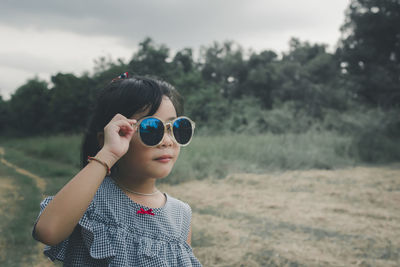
{"x": 151, "y": 130}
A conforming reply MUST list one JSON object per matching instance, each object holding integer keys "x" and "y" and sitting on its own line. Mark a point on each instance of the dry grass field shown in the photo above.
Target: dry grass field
{"x": 346, "y": 217}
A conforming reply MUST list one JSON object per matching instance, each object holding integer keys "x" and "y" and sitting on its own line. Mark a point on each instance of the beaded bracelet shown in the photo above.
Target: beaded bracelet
{"x": 101, "y": 162}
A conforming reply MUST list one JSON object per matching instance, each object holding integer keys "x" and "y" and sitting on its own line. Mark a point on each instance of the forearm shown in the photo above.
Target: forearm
{"x": 62, "y": 214}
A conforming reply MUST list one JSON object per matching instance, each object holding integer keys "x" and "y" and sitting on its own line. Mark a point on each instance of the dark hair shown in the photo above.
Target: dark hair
{"x": 127, "y": 97}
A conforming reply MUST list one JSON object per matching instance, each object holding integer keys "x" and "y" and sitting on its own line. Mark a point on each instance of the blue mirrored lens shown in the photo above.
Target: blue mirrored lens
{"x": 182, "y": 130}
{"x": 151, "y": 131}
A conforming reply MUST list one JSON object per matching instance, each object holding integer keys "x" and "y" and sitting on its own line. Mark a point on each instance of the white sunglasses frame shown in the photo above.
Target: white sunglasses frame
{"x": 167, "y": 126}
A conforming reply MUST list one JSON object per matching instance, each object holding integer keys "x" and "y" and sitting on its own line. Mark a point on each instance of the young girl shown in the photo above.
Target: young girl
{"x": 111, "y": 213}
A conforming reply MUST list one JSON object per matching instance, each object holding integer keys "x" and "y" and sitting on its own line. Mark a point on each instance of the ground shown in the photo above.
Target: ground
{"x": 346, "y": 217}
{"x": 312, "y": 218}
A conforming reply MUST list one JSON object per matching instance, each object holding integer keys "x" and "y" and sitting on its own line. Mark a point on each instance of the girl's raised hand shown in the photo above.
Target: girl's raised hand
{"x": 118, "y": 134}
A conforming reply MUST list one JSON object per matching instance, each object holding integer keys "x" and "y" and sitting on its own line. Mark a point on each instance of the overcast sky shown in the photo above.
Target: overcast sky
{"x": 45, "y": 37}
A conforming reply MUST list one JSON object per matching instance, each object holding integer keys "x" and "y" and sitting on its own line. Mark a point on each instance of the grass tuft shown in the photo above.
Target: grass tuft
{"x": 57, "y": 157}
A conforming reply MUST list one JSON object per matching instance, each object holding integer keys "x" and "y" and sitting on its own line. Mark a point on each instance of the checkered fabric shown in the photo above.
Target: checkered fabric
{"x": 112, "y": 233}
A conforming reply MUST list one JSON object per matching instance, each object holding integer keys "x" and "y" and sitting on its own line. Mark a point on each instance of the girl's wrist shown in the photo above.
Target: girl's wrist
{"x": 109, "y": 158}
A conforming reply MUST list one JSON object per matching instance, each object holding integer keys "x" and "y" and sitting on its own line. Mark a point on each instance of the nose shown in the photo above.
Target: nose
{"x": 168, "y": 139}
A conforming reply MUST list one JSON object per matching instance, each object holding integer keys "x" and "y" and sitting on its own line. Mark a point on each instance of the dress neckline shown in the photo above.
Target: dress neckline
{"x": 135, "y": 204}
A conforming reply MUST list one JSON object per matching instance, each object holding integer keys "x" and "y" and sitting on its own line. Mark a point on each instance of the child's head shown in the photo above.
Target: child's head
{"x": 134, "y": 98}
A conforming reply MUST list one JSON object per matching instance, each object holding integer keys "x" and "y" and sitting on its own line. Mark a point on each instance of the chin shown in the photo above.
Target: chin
{"x": 161, "y": 174}
{"x": 160, "y": 177}
{"x": 162, "y": 171}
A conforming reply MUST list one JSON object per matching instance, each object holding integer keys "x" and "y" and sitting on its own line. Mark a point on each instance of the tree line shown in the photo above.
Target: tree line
{"x": 229, "y": 89}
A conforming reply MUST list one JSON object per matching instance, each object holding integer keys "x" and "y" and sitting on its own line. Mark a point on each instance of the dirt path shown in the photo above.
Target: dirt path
{"x": 346, "y": 217}
{"x": 8, "y": 195}
{"x": 40, "y": 182}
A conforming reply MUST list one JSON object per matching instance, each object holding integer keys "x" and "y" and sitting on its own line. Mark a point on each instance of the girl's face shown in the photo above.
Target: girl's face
{"x": 142, "y": 161}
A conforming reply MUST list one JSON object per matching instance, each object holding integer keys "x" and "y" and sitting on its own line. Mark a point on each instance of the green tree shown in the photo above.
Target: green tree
{"x": 370, "y": 51}
{"x": 29, "y": 113}
{"x": 262, "y": 77}
{"x": 70, "y": 102}
{"x": 4, "y": 115}
{"x": 308, "y": 77}
{"x": 183, "y": 60}
{"x": 151, "y": 59}
{"x": 224, "y": 65}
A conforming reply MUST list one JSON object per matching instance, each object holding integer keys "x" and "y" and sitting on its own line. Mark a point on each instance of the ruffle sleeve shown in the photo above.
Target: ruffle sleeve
{"x": 96, "y": 237}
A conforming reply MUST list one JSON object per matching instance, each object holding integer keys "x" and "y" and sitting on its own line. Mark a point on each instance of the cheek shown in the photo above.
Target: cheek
{"x": 177, "y": 150}
{"x": 136, "y": 149}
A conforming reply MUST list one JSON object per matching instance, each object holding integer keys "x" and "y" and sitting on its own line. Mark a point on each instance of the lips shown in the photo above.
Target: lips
{"x": 164, "y": 157}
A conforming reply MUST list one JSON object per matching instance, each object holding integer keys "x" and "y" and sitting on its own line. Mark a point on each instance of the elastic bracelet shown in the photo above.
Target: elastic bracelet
{"x": 101, "y": 162}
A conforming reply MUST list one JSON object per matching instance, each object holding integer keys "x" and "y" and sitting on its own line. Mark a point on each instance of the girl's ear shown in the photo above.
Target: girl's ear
{"x": 100, "y": 139}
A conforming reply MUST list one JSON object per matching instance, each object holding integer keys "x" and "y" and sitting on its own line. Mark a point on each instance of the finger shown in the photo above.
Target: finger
{"x": 116, "y": 126}
{"x": 123, "y": 123}
{"x": 132, "y": 122}
{"x": 118, "y": 116}
{"x": 127, "y": 130}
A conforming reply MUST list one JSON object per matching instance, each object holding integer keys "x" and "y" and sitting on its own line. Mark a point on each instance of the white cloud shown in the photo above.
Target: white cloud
{"x": 49, "y": 36}
{"x": 29, "y": 52}
{"x": 12, "y": 78}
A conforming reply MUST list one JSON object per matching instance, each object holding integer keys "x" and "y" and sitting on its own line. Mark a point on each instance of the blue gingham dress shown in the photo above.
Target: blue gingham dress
{"x": 111, "y": 233}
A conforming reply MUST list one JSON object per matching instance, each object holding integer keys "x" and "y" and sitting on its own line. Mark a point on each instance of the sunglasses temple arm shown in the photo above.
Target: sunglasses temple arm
{"x": 135, "y": 125}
